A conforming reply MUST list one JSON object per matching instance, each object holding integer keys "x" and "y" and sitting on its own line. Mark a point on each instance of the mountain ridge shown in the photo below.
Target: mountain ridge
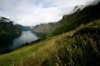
{"x": 8, "y": 31}
{"x": 76, "y": 42}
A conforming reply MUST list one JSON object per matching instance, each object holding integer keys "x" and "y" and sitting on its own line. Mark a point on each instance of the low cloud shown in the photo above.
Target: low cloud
{"x": 33, "y": 12}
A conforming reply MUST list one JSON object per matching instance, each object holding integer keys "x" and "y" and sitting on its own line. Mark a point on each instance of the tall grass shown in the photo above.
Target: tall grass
{"x": 76, "y": 51}
{"x": 80, "y": 47}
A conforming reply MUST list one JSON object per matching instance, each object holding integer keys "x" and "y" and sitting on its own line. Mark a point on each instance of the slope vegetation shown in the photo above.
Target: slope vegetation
{"x": 72, "y": 21}
{"x": 70, "y": 48}
{"x": 78, "y": 43}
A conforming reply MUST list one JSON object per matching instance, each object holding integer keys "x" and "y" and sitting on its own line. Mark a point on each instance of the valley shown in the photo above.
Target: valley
{"x": 72, "y": 41}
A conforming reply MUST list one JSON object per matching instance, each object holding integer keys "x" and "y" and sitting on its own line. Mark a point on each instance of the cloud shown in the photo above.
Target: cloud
{"x": 32, "y": 12}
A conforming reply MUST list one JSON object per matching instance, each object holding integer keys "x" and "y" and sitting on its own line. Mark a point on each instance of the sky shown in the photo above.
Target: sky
{"x": 33, "y": 12}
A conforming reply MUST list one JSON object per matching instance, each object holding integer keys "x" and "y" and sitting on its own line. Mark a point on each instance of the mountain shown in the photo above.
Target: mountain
{"x": 69, "y": 22}
{"x": 72, "y": 21}
{"x": 23, "y": 28}
{"x": 73, "y": 48}
{"x": 8, "y": 31}
{"x": 44, "y": 29}
{"x": 78, "y": 43}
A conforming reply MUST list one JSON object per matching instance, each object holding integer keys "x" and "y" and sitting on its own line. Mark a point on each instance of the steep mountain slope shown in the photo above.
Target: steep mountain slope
{"x": 69, "y": 22}
{"x": 69, "y": 48}
{"x": 23, "y": 28}
{"x": 8, "y": 31}
{"x": 79, "y": 46}
{"x": 44, "y": 29}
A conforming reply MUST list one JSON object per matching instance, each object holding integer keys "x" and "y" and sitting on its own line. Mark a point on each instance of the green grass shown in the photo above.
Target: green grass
{"x": 76, "y": 51}
{"x": 49, "y": 51}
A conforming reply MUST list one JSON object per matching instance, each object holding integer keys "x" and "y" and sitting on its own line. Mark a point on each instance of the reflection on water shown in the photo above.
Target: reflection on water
{"x": 26, "y": 37}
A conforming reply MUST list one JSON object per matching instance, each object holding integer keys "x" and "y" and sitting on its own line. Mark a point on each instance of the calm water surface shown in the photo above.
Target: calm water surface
{"x": 25, "y": 37}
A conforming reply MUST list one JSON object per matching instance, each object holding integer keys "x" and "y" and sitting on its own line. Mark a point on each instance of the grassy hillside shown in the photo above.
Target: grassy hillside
{"x": 78, "y": 43}
{"x": 72, "y": 48}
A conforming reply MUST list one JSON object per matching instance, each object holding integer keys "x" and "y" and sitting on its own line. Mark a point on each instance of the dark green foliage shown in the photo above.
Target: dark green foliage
{"x": 8, "y": 31}
{"x": 73, "y": 21}
{"x": 80, "y": 50}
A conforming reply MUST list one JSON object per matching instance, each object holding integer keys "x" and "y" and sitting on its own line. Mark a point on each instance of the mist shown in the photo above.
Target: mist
{"x": 33, "y": 12}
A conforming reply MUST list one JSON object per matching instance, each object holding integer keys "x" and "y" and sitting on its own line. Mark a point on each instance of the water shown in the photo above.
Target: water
{"x": 26, "y": 37}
